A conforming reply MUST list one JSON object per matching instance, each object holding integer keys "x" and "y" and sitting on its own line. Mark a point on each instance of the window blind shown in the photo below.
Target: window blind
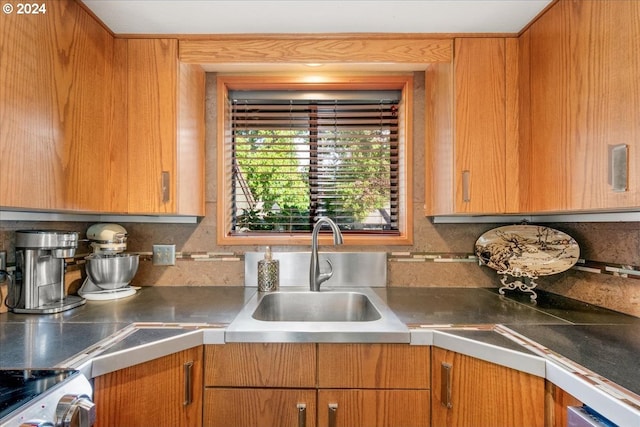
{"x": 297, "y": 156}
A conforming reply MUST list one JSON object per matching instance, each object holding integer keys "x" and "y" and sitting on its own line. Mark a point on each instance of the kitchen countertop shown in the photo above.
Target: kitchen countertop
{"x": 160, "y": 320}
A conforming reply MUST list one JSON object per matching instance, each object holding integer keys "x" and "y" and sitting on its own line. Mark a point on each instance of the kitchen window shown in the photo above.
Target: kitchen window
{"x": 292, "y": 152}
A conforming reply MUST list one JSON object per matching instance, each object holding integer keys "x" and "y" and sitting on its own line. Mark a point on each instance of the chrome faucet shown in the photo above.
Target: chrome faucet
{"x": 315, "y": 277}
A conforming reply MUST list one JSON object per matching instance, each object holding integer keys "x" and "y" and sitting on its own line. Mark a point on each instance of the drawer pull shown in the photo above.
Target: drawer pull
{"x": 188, "y": 397}
{"x": 466, "y": 184}
{"x": 333, "y": 414}
{"x": 445, "y": 388}
{"x": 618, "y": 167}
{"x": 302, "y": 415}
{"x": 166, "y": 186}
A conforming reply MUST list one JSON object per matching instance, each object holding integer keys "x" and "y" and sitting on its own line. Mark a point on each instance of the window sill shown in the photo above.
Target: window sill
{"x": 305, "y": 240}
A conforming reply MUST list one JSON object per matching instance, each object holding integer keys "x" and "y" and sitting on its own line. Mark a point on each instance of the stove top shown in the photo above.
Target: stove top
{"x": 21, "y": 386}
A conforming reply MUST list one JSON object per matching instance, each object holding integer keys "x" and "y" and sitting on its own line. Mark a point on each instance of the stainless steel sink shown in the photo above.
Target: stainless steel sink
{"x": 295, "y": 314}
{"x": 316, "y": 307}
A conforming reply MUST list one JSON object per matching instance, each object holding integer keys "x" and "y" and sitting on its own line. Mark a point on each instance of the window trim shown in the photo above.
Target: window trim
{"x": 403, "y": 82}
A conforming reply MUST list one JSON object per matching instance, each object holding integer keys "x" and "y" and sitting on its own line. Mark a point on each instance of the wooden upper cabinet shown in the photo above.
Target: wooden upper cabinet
{"x": 466, "y": 127}
{"x": 165, "y": 129}
{"x": 584, "y": 100}
{"x": 61, "y": 92}
{"x": 479, "y": 125}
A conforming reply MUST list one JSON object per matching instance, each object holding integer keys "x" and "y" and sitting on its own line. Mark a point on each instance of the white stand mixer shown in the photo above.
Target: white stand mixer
{"x": 109, "y": 270}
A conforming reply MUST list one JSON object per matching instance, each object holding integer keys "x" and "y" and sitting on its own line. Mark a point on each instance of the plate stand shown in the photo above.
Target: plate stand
{"x": 525, "y": 285}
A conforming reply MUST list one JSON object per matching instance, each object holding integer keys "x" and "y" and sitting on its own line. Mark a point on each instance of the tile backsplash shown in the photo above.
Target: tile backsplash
{"x": 441, "y": 256}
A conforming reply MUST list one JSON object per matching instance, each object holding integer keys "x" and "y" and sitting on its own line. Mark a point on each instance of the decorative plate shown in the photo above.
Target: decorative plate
{"x": 527, "y": 250}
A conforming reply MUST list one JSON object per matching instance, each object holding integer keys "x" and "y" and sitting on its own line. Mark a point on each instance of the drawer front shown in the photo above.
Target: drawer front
{"x": 373, "y": 366}
{"x": 260, "y": 365}
{"x": 374, "y": 408}
{"x": 224, "y": 407}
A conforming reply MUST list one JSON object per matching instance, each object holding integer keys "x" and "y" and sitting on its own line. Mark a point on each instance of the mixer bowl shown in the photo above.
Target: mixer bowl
{"x": 111, "y": 271}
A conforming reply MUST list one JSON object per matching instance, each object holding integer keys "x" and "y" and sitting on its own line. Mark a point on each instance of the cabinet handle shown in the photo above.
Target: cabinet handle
{"x": 166, "y": 186}
{"x": 445, "y": 387}
{"x": 333, "y": 414}
{"x": 302, "y": 415}
{"x": 618, "y": 166}
{"x": 188, "y": 371}
{"x": 466, "y": 181}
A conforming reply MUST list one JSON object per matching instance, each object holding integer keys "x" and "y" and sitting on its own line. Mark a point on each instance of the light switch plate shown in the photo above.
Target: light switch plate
{"x": 164, "y": 254}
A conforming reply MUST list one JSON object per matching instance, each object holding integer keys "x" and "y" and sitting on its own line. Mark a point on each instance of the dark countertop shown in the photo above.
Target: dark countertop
{"x": 485, "y": 306}
{"x": 33, "y": 344}
{"x": 459, "y": 306}
{"x": 603, "y": 341}
{"x": 45, "y": 341}
{"x": 612, "y": 351}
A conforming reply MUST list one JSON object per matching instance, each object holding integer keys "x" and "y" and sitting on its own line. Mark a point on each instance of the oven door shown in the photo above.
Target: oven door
{"x": 45, "y": 397}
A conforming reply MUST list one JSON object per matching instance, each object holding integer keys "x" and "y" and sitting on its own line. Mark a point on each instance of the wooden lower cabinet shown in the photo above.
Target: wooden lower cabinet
{"x": 373, "y": 408}
{"x": 259, "y": 407}
{"x": 476, "y": 393}
{"x": 557, "y": 402}
{"x": 152, "y": 393}
{"x": 343, "y": 385}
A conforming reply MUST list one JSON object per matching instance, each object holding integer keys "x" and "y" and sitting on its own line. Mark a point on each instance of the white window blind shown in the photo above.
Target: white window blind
{"x": 297, "y": 156}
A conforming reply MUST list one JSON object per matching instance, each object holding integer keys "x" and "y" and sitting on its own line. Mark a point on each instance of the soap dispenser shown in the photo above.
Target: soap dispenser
{"x": 268, "y": 272}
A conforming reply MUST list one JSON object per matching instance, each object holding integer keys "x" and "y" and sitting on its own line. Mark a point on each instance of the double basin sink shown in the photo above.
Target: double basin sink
{"x": 299, "y": 315}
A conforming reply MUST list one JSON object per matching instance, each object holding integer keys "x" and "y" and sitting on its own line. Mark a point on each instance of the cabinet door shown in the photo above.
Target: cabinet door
{"x": 163, "y": 392}
{"x": 476, "y": 393}
{"x": 59, "y": 146}
{"x": 479, "y": 125}
{"x": 250, "y": 407}
{"x": 585, "y": 98}
{"x": 165, "y": 130}
{"x": 151, "y": 101}
{"x": 373, "y": 408}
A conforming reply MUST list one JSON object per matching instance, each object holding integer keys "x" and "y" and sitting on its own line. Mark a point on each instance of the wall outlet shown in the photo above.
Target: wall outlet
{"x": 164, "y": 254}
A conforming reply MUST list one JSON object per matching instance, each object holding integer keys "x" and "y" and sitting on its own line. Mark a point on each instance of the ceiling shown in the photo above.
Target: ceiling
{"x": 315, "y": 16}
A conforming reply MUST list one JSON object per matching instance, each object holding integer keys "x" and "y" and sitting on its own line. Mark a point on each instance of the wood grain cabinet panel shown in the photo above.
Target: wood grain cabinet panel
{"x": 61, "y": 93}
{"x": 373, "y": 366}
{"x": 479, "y": 125}
{"x": 260, "y": 365}
{"x": 262, "y": 384}
{"x": 374, "y": 408}
{"x": 466, "y": 132}
{"x": 152, "y": 393}
{"x": 250, "y": 407}
{"x": 557, "y": 401}
{"x": 484, "y": 394}
{"x": 165, "y": 129}
{"x": 373, "y": 385}
{"x": 584, "y": 98}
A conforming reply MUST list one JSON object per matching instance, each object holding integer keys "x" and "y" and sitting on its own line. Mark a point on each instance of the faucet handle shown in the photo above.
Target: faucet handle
{"x": 323, "y": 277}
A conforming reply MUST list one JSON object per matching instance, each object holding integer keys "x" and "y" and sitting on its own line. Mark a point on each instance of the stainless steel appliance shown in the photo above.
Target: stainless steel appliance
{"x": 109, "y": 270}
{"x": 583, "y": 416}
{"x": 45, "y": 397}
{"x": 38, "y": 286}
